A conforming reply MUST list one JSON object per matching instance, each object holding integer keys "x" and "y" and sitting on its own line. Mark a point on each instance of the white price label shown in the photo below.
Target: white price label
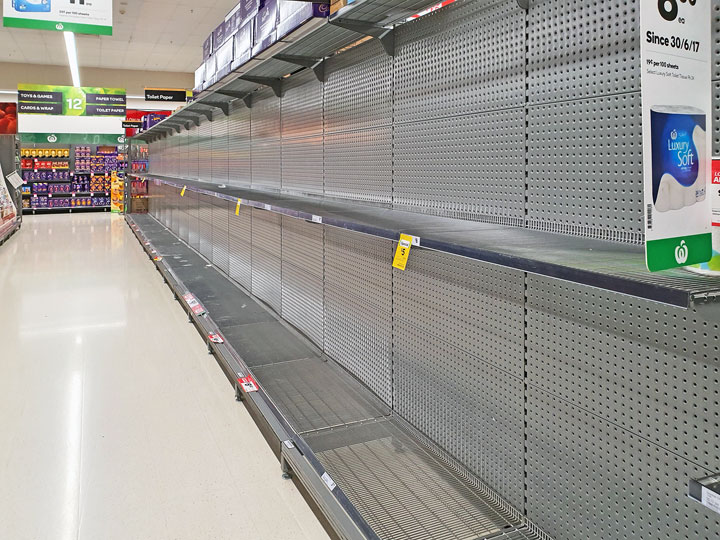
{"x": 267, "y": 207}
{"x": 317, "y": 219}
{"x": 328, "y": 481}
{"x": 711, "y": 499}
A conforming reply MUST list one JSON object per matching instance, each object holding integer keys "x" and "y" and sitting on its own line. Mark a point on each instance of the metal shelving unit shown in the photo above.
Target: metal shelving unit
{"x": 526, "y": 344}
{"x": 605, "y": 265}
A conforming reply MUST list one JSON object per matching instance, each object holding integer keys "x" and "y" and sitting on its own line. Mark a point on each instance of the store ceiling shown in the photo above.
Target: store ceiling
{"x": 156, "y": 35}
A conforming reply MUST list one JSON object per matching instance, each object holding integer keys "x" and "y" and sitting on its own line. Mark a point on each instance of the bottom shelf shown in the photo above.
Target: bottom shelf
{"x": 363, "y": 459}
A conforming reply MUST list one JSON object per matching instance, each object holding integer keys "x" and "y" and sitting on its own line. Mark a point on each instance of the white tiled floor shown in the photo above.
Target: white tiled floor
{"x": 115, "y": 423}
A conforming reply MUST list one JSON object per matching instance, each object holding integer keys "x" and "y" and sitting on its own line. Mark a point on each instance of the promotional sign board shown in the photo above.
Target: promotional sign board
{"x": 67, "y": 109}
{"x": 166, "y": 94}
{"x": 83, "y": 17}
{"x": 71, "y": 100}
{"x": 677, "y": 121}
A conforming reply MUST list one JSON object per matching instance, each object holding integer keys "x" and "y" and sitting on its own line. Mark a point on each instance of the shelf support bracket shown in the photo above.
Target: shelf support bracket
{"x": 176, "y": 125}
{"x": 386, "y": 36}
{"x": 232, "y": 93}
{"x": 204, "y": 112}
{"x": 316, "y": 64}
{"x": 192, "y": 118}
{"x": 224, "y": 107}
{"x": 275, "y": 84}
{"x": 524, "y": 4}
{"x": 248, "y": 101}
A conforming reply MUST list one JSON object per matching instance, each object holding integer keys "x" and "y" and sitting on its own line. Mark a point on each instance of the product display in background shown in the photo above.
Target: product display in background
{"x": 8, "y": 118}
{"x": 676, "y": 50}
{"x": 83, "y": 17}
{"x": 69, "y": 177}
{"x": 8, "y": 211}
{"x": 117, "y": 204}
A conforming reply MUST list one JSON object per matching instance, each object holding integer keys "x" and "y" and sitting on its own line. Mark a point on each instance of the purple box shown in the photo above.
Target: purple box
{"x": 292, "y": 14}
{"x": 244, "y": 12}
{"x": 265, "y": 32}
{"x": 207, "y": 47}
{"x": 243, "y": 45}
{"x": 218, "y": 36}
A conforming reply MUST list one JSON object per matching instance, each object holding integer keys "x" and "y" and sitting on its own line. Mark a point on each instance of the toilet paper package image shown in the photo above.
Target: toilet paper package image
{"x": 678, "y": 150}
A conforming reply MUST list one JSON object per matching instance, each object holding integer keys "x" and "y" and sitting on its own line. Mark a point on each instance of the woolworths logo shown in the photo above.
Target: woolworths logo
{"x": 681, "y": 251}
{"x": 52, "y": 138}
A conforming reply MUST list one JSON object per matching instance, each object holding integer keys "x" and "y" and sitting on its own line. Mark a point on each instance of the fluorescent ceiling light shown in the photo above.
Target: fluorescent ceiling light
{"x": 72, "y": 57}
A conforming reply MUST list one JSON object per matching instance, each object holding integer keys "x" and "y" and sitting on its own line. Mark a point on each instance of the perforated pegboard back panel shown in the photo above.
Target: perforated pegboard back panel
{"x": 205, "y": 225}
{"x": 588, "y": 478}
{"x": 358, "y": 165}
{"x": 219, "y": 140}
{"x": 239, "y": 150}
{"x": 302, "y": 276}
{"x": 192, "y": 154}
{"x": 205, "y": 151}
{"x": 466, "y": 58}
{"x": 358, "y": 307}
{"x": 220, "y": 217}
{"x": 183, "y": 218}
{"x": 302, "y": 106}
{"x": 650, "y": 369}
{"x": 193, "y": 211}
{"x": 266, "y": 147}
{"x": 302, "y": 165}
{"x": 240, "y": 239}
{"x": 468, "y": 167}
{"x": 470, "y": 408}
{"x": 476, "y": 307}
{"x": 266, "y": 257}
{"x": 585, "y": 168}
{"x": 716, "y": 118}
{"x": 582, "y": 48}
{"x": 358, "y": 91}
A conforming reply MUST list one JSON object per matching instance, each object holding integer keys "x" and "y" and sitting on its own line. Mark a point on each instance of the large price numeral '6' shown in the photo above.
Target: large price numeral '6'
{"x": 669, "y": 8}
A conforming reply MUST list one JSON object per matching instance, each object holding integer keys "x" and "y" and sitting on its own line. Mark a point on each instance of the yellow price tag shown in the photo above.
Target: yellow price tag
{"x": 182, "y": 193}
{"x": 403, "y": 251}
{"x": 237, "y": 207}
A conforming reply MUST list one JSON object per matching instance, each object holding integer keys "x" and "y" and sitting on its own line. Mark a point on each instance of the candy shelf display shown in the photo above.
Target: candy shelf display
{"x": 71, "y": 177}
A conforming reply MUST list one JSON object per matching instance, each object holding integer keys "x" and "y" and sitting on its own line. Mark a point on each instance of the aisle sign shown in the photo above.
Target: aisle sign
{"x": 83, "y": 17}
{"x": 166, "y": 94}
{"x": 676, "y": 103}
{"x": 71, "y": 101}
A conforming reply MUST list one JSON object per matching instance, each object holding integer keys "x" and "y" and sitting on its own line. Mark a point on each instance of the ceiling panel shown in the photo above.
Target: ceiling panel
{"x": 148, "y": 34}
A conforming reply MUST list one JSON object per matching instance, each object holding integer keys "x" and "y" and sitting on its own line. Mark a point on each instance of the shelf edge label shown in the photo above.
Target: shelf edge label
{"x": 402, "y": 253}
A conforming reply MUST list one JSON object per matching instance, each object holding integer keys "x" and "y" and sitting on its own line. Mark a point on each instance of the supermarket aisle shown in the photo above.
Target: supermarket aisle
{"x": 116, "y": 423}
